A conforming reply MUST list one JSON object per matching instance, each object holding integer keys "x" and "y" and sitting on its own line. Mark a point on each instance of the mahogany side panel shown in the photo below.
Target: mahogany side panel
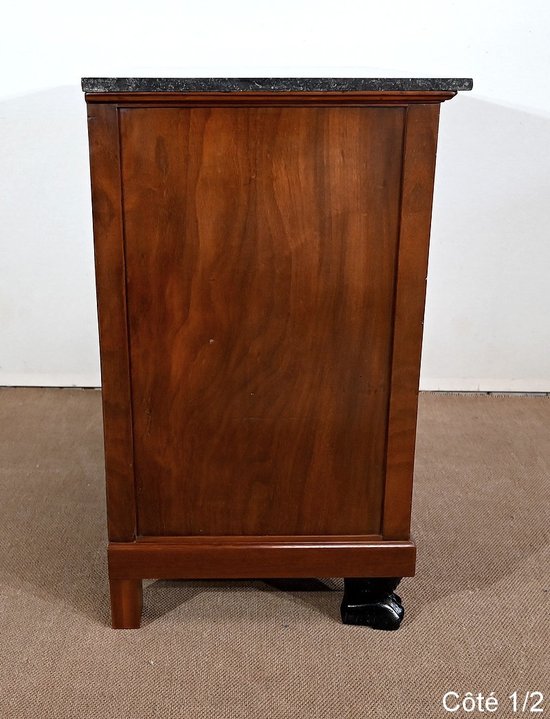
{"x": 111, "y": 298}
{"x": 261, "y": 250}
{"x": 416, "y": 208}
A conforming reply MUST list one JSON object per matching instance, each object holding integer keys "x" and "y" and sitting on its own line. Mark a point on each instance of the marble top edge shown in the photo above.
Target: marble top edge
{"x": 279, "y": 84}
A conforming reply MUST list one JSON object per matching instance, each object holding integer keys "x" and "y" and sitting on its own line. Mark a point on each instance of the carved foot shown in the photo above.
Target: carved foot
{"x": 372, "y": 603}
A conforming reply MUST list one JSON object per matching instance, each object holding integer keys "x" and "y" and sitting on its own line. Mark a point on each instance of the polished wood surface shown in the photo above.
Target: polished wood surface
{"x": 419, "y": 151}
{"x": 126, "y": 602}
{"x": 226, "y": 557}
{"x": 260, "y": 275}
{"x": 113, "y": 332}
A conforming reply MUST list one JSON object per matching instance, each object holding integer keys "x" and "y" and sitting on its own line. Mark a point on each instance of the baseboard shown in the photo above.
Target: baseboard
{"x": 429, "y": 384}
{"x": 501, "y": 385}
{"x": 65, "y": 381}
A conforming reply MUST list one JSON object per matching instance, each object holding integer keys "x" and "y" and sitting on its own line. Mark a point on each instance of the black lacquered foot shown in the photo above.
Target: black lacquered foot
{"x": 372, "y": 603}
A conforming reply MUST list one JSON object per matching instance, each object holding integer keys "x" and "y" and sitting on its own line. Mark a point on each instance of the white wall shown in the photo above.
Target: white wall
{"x": 487, "y": 322}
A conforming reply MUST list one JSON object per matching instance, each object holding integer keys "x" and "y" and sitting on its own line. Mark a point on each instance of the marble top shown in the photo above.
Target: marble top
{"x": 275, "y": 84}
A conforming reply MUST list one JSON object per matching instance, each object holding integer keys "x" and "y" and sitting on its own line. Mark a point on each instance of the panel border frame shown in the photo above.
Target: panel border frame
{"x": 417, "y": 183}
{"x": 111, "y": 291}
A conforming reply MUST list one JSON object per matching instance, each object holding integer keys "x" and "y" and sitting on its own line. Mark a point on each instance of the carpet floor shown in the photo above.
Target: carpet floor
{"x": 476, "y": 613}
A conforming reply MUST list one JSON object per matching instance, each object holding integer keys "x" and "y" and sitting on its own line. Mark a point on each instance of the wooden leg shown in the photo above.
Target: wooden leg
{"x": 372, "y": 603}
{"x": 126, "y": 603}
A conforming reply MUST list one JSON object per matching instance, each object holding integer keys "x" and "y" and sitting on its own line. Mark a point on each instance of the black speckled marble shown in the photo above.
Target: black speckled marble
{"x": 275, "y": 84}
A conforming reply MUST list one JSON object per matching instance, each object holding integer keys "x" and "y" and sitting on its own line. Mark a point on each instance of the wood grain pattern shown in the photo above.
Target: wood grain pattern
{"x": 261, "y": 249}
{"x": 113, "y": 333}
{"x": 225, "y": 557}
{"x": 416, "y": 208}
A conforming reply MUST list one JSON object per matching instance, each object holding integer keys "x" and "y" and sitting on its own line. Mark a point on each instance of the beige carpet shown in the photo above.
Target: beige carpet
{"x": 477, "y": 612}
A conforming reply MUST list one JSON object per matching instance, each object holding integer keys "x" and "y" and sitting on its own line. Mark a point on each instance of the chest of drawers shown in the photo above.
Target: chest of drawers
{"x": 261, "y": 256}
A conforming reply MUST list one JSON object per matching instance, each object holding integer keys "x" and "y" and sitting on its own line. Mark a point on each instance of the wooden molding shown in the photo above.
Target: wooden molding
{"x": 256, "y": 99}
{"x": 225, "y": 557}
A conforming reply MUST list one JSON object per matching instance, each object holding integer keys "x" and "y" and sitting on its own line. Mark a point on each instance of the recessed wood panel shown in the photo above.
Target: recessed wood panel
{"x": 260, "y": 248}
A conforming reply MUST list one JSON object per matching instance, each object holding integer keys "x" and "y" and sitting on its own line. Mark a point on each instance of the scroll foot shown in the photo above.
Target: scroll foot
{"x": 372, "y": 603}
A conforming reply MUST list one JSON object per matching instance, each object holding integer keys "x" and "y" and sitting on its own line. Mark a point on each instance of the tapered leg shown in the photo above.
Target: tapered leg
{"x": 126, "y": 603}
{"x": 372, "y": 603}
